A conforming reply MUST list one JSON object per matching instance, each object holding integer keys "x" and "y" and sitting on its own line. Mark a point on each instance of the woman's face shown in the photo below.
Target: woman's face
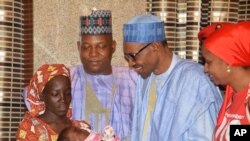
{"x": 57, "y": 95}
{"x": 215, "y": 67}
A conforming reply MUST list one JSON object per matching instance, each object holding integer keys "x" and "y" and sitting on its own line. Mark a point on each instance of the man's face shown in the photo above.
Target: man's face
{"x": 142, "y": 57}
{"x": 96, "y": 53}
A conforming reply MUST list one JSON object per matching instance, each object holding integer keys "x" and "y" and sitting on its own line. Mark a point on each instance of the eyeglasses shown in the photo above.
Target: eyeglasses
{"x": 132, "y": 56}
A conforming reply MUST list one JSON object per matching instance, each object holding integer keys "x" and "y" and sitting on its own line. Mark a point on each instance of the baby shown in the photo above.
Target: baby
{"x": 73, "y": 133}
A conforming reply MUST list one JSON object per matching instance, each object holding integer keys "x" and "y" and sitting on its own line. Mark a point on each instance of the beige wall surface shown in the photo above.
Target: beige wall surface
{"x": 56, "y": 27}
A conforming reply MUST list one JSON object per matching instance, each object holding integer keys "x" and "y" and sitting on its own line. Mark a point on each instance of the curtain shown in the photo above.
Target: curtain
{"x": 185, "y": 18}
{"x": 16, "y": 62}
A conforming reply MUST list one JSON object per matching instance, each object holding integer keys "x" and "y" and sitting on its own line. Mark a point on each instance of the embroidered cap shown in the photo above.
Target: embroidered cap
{"x": 98, "y": 22}
{"x": 144, "y": 28}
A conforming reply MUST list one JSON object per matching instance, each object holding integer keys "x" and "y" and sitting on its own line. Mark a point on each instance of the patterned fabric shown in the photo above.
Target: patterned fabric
{"x": 40, "y": 78}
{"x": 107, "y": 135}
{"x": 81, "y": 124}
{"x": 191, "y": 104}
{"x": 98, "y": 137}
{"x": 144, "y": 29}
{"x": 123, "y": 101}
{"x": 231, "y": 43}
{"x": 34, "y": 129}
{"x": 99, "y": 22}
{"x": 235, "y": 110}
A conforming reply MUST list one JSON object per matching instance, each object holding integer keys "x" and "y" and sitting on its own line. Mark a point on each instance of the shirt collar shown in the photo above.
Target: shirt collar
{"x": 161, "y": 78}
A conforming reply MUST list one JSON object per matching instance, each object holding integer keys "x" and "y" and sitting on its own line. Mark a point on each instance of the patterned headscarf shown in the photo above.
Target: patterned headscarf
{"x": 231, "y": 43}
{"x": 40, "y": 78}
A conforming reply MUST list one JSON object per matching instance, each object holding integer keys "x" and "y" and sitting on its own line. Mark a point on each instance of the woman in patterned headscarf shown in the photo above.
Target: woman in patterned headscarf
{"x": 227, "y": 61}
{"x": 49, "y": 95}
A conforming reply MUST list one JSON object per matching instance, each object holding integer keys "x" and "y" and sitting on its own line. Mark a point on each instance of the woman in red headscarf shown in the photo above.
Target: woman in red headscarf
{"x": 227, "y": 61}
{"x": 49, "y": 95}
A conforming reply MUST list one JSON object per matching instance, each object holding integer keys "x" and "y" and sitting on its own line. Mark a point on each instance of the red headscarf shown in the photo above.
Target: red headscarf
{"x": 231, "y": 43}
{"x": 40, "y": 78}
{"x": 208, "y": 30}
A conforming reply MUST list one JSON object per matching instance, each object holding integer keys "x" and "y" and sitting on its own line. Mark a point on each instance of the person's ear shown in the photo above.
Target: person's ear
{"x": 79, "y": 46}
{"x": 113, "y": 46}
{"x": 228, "y": 68}
{"x": 156, "y": 46}
{"x": 225, "y": 65}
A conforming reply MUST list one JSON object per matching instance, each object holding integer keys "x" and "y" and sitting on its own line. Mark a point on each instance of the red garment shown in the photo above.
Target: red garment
{"x": 235, "y": 110}
{"x": 34, "y": 129}
{"x": 231, "y": 43}
{"x": 208, "y": 30}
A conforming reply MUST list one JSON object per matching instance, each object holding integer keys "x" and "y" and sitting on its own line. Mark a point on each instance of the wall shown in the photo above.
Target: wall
{"x": 56, "y": 27}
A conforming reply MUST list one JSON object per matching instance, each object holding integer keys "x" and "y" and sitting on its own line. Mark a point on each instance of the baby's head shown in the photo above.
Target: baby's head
{"x": 73, "y": 133}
